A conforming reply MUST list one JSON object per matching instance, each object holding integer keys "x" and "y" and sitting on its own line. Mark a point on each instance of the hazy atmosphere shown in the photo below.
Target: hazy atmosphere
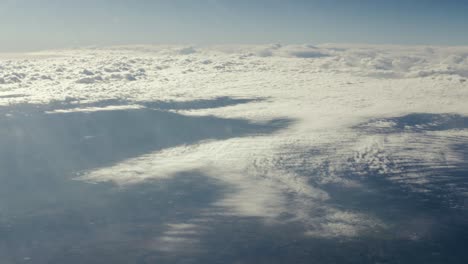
{"x": 45, "y": 24}
{"x": 233, "y": 132}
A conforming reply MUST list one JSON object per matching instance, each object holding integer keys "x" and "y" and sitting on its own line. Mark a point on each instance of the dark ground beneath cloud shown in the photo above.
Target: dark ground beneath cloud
{"x": 46, "y": 217}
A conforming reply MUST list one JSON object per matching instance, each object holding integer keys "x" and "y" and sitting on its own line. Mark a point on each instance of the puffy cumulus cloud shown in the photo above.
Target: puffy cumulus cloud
{"x": 367, "y": 60}
{"x": 104, "y": 66}
{"x": 398, "y": 61}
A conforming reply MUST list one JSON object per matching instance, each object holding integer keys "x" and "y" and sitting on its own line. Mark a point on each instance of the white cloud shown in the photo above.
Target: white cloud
{"x": 327, "y": 88}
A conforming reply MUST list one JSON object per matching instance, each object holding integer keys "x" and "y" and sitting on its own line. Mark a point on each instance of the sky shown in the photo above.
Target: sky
{"x": 48, "y": 24}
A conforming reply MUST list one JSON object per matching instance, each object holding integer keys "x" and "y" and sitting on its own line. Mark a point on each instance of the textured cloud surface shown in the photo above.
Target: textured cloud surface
{"x": 168, "y": 146}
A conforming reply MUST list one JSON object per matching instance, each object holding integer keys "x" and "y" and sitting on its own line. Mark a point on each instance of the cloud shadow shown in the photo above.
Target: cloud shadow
{"x": 415, "y": 122}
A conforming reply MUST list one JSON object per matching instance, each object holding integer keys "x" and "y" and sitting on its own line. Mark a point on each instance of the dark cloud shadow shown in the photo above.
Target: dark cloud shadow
{"x": 71, "y": 103}
{"x": 422, "y": 202}
{"x": 200, "y": 104}
{"x": 60, "y": 143}
{"x": 443, "y": 181}
{"x": 65, "y": 221}
{"x": 416, "y": 122}
{"x": 103, "y": 224}
{"x": 41, "y": 152}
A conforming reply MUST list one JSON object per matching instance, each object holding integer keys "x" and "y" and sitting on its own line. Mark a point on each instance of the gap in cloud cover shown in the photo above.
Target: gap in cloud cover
{"x": 354, "y": 151}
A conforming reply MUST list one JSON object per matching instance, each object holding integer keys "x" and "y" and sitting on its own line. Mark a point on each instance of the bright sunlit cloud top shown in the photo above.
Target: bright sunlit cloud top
{"x": 43, "y": 24}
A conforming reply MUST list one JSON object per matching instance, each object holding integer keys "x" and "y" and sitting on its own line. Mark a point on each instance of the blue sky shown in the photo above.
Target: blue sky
{"x": 42, "y": 24}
